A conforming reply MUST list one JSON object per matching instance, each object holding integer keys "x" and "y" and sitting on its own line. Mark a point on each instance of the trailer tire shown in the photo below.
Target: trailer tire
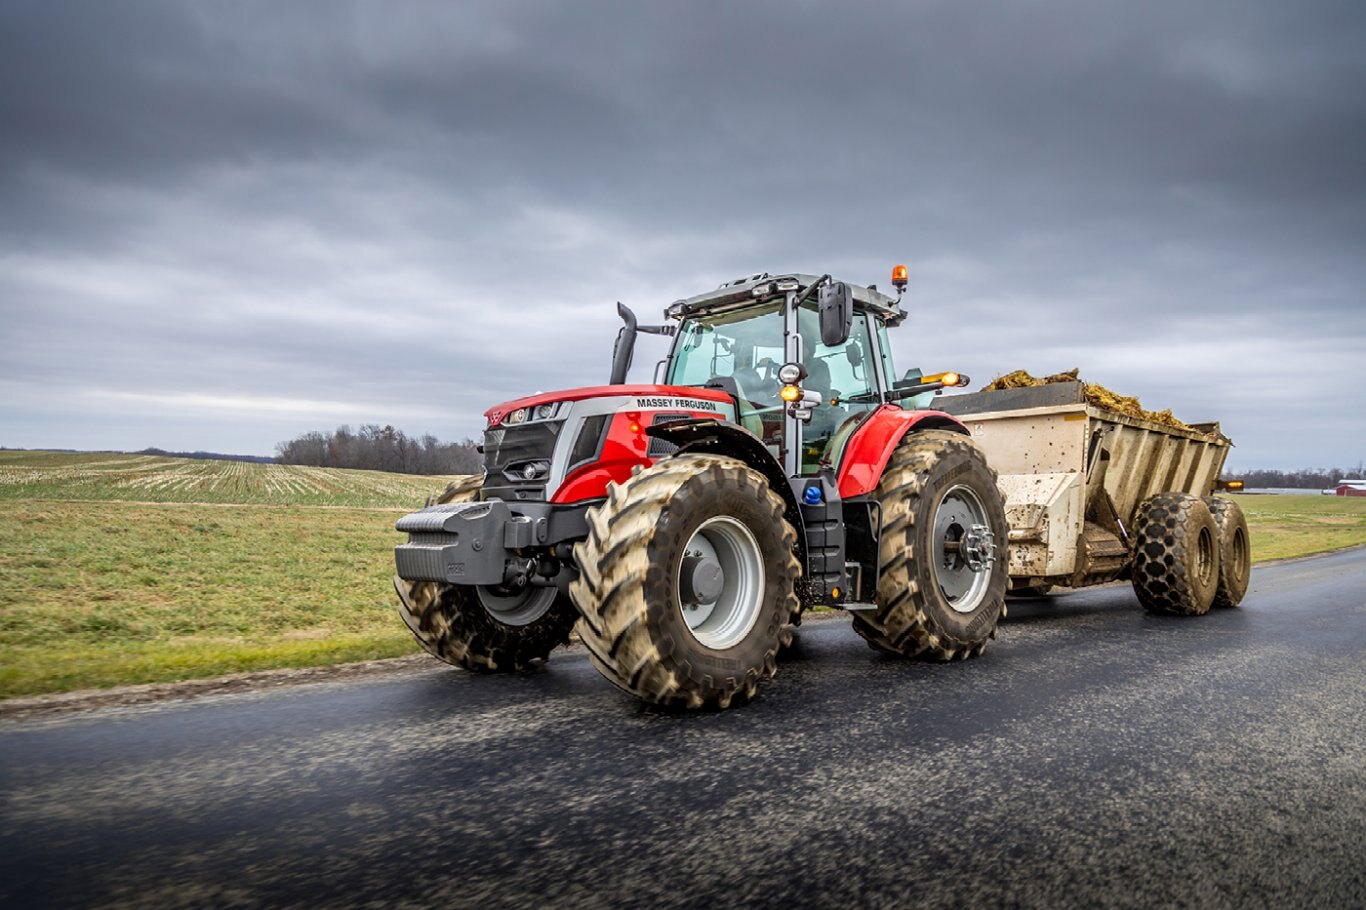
{"x": 482, "y": 629}
{"x": 1176, "y": 555}
{"x": 1235, "y": 552}
{"x": 688, "y": 582}
{"x": 932, "y": 601}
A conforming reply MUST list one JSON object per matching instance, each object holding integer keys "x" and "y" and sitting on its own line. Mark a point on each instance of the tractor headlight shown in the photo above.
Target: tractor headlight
{"x": 527, "y": 471}
{"x": 517, "y": 416}
{"x": 547, "y": 411}
{"x": 791, "y": 373}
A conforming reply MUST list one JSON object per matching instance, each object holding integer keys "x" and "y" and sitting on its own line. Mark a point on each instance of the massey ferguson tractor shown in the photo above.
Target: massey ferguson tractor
{"x": 776, "y": 464}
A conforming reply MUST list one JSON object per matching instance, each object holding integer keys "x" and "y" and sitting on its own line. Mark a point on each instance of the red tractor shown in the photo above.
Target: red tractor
{"x": 777, "y": 464}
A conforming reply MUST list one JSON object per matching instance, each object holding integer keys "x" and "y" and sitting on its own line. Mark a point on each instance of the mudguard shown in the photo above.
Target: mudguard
{"x": 871, "y": 446}
{"x": 720, "y": 437}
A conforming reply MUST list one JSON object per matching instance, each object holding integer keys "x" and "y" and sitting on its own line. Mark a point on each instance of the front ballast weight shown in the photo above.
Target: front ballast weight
{"x": 469, "y": 543}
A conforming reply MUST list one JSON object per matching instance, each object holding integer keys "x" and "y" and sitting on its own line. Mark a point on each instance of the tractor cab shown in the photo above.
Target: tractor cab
{"x": 804, "y": 358}
{"x": 830, "y": 336}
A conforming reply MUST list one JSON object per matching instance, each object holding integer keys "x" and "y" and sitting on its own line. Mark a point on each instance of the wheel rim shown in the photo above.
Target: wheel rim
{"x": 964, "y": 549}
{"x": 721, "y": 582}
{"x": 1204, "y": 556}
{"x": 516, "y": 608}
{"x": 1240, "y": 554}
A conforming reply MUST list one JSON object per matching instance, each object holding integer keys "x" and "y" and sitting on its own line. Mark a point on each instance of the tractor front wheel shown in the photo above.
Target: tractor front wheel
{"x": 941, "y": 588}
{"x": 687, "y": 582}
{"x": 485, "y": 629}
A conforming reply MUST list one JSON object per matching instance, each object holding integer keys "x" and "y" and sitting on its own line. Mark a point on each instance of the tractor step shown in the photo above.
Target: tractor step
{"x": 855, "y": 606}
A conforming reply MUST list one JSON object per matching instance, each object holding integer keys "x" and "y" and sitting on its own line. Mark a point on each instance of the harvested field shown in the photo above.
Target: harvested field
{"x": 149, "y": 478}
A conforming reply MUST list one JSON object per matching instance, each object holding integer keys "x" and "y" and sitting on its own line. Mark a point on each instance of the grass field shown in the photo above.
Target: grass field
{"x": 121, "y": 569}
{"x": 1281, "y": 527}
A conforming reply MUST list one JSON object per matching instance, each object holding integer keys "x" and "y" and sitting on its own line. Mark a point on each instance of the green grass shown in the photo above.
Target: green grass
{"x": 119, "y": 569}
{"x": 1281, "y": 527}
{"x": 98, "y": 592}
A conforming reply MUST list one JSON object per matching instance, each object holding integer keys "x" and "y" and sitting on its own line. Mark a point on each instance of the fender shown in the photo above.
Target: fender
{"x": 723, "y": 438}
{"x": 871, "y": 446}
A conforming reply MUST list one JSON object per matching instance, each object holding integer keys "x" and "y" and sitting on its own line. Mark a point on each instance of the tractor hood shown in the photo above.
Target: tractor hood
{"x": 650, "y": 397}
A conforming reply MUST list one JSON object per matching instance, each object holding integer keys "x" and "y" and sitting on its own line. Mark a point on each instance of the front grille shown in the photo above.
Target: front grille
{"x": 505, "y": 446}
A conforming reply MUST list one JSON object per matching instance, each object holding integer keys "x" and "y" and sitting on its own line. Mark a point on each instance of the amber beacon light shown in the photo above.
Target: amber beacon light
{"x": 900, "y": 276}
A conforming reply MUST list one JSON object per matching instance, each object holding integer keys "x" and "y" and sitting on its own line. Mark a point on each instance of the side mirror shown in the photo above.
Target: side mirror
{"x": 836, "y": 302}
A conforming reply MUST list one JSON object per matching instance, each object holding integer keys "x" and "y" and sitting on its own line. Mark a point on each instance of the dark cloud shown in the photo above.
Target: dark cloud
{"x": 224, "y": 224}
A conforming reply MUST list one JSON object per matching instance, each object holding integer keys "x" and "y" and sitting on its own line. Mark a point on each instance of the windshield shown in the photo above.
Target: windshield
{"x": 746, "y": 347}
{"x": 729, "y": 345}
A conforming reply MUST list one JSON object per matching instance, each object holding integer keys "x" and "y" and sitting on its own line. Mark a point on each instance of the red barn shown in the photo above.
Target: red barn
{"x": 1351, "y": 487}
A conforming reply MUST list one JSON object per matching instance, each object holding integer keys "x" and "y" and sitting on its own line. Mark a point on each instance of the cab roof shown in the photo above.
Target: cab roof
{"x": 744, "y": 292}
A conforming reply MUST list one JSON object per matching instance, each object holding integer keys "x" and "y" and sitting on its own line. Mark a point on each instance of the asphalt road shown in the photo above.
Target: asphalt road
{"x": 1095, "y": 756}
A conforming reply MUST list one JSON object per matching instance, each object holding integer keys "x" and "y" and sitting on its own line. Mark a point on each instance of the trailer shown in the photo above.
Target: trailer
{"x": 1093, "y": 495}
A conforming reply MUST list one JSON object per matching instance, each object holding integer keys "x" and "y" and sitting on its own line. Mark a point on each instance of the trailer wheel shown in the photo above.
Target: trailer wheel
{"x": 485, "y": 629}
{"x": 1176, "y": 555}
{"x": 942, "y": 583}
{"x": 1235, "y": 554}
{"x": 687, "y": 582}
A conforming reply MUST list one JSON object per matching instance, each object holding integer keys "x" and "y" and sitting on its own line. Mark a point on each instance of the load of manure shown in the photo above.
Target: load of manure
{"x": 1097, "y": 395}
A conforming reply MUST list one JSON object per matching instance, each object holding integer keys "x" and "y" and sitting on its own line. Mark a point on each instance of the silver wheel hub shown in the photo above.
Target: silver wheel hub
{"x": 964, "y": 549}
{"x": 513, "y": 607}
{"x": 721, "y": 582}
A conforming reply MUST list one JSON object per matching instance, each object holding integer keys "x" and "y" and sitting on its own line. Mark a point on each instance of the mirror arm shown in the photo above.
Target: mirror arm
{"x": 805, "y": 293}
{"x": 914, "y": 390}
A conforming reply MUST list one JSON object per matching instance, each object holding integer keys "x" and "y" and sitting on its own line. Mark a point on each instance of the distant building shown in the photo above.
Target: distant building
{"x": 1351, "y": 487}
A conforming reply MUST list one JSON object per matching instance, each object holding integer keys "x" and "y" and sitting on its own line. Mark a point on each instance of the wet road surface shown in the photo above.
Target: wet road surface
{"x": 1095, "y": 756}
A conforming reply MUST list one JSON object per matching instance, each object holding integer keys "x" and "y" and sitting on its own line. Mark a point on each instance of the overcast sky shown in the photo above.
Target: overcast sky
{"x": 225, "y": 224}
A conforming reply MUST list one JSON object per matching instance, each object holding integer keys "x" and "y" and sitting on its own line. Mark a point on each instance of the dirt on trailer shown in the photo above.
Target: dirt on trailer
{"x": 1097, "y": 395}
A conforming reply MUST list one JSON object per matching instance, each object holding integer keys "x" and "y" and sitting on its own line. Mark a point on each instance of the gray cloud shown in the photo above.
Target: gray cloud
{"x": 221, "y": 225}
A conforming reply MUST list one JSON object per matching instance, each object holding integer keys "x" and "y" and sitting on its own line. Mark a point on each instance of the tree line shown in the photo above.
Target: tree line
{"x": 1305, "y": 479}
{"x": 376, "y": 448}
{"x": 204, "y": 456}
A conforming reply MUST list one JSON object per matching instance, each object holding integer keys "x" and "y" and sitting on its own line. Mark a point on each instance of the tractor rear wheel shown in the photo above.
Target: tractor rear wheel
{"x": 687, "y": 582}
{"x": 1176, "y": 555}
{"x": 941, "y": 589}
{"x": 485, "y": 629}
{"x": 1235, "y": 554}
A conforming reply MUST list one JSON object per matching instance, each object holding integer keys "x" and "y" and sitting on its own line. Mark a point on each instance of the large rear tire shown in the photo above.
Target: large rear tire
{"x": 687, "y": 582}
{"x": 1176, "y": 555}
{"x": 1235, "y": 552}
{"x": 941, "y": 590}
{"x": 484, "y": 629}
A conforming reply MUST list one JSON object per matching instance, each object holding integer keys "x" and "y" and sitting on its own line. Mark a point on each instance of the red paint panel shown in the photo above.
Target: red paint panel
{"x": 495, "y": 413}
{"x": 871, "y": 446}
{"x": 622, "y": 451}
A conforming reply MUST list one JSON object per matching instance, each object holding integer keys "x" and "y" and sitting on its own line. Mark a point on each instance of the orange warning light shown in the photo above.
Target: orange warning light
{"x": 900, "y": 275}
